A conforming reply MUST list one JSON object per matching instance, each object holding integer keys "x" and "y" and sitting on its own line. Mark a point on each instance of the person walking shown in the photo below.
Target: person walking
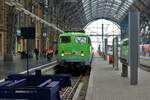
{"x": 36, "y": 51}
{"x": 50, "y": 53}
{"x": 44, "y": 52}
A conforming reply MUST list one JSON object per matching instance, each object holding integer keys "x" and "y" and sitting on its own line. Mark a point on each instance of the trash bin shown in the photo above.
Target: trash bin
{"x": 110, "y": 59}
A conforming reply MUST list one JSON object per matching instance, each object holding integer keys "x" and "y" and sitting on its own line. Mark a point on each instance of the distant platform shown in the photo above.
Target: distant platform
{"x": 107, "y": 84}
{"x": 19, "y": 65}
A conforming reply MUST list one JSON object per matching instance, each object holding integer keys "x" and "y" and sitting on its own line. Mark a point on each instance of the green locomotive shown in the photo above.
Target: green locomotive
{"x": 124, "y": 51}
{"x": 74, "y": 48}
{"x": 144, "y": 52}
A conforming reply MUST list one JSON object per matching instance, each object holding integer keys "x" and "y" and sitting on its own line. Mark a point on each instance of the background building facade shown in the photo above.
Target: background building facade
{"x": 12, "y": 18}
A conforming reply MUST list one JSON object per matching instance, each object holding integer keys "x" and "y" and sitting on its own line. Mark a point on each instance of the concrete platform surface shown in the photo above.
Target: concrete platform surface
{"x": 107, "y": 84}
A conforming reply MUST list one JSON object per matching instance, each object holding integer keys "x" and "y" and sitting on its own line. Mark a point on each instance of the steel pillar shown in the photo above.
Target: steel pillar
{"x": 105, "y": 57}
{"x": 102, "y": 31}
{"x": 115, "y": 53}
{"x": 134, "y": 22}
{"x": 102, "y": 41}
{"x": 45, "y": 27}
{"x": 11, "y": 33}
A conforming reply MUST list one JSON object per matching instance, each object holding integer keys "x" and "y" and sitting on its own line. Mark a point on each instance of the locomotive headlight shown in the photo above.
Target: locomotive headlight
{"x": 82, "y": 54}
{"x": 62, "y": 54}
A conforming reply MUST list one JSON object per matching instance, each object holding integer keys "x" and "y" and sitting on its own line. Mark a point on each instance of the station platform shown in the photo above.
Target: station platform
{"x": 107, "y": 84}
{"x": 19, "y": 65}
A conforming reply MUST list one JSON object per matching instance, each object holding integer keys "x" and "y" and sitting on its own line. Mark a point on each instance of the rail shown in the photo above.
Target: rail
{"x": 42, "y": 67}
{"x": 68, "y": 93}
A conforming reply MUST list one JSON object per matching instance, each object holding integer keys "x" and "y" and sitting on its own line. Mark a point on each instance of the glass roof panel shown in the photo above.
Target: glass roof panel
{"x": 95, "y": 8}
{"x": 131, "y": 1}
{"x": 118, "y": 1}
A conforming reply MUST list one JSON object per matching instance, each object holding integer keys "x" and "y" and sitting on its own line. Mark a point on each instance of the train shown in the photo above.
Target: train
{"x": 144, "y": 53}
{"x": 74, "y": 49}
{"x": 124, "y": 51}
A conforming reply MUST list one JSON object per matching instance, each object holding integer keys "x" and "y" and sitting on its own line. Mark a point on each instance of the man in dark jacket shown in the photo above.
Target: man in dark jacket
{"x": 36, "y": 51}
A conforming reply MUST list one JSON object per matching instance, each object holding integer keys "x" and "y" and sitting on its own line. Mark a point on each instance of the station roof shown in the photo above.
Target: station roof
{"x": 81, "y": 12}
{"x": 78, "y": 13}
{"x": 107, "y": 9}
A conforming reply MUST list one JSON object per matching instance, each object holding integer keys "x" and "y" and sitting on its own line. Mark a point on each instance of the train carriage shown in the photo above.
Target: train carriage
{"x": 144, "y": 53}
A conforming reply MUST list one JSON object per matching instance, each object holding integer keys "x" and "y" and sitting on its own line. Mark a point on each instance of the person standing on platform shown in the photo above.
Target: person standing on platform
{"x": 36, "y": 51}
{"x": 44, "y": 52}
{"x": 50, "y": 53}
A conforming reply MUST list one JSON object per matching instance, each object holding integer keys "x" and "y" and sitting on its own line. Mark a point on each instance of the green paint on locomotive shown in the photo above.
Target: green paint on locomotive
{"x": 74, "y": 47}
{"x": 124, "y": 51}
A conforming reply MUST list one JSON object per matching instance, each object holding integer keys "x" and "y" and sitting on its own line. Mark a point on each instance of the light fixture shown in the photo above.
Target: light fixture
{"x": 62, "y": 54}
{"x": 82, "y": 54}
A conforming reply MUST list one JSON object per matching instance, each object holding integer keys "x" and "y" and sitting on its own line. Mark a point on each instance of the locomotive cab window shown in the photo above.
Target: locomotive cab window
{"x": 65, "y": 39}
{"x": 89, "y": 40}
{"x": 81, "y": 39}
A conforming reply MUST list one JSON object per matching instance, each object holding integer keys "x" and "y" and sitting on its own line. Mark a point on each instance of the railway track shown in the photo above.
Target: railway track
{"x": 67, "y": 93}
{"x": 78, "y": 89}
{"x": 42, "y": 67}
{"x": 145, "y": 67}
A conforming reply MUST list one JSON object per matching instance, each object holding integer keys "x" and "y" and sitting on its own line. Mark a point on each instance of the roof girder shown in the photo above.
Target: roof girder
{"x": 123, "y": 5}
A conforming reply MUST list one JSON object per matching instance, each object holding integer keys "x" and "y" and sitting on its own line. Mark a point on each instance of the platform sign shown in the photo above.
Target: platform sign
{"x": 18, "y": 33}
{"x": 28, "y": 32}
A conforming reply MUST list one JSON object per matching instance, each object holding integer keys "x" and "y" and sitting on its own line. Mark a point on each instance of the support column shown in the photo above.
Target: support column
{"x": 113, "y": 53}
{"x": 102, "y": 31}
{"x": 105, "y": 57}
{"x": 102, "y": 41}
{"x": 134, "y": 22}
{"x": 11, "y": 33}
{"x": 45, "y": 27}
{"x": 117, "y": 53}
{"x": 115, "y": 45}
